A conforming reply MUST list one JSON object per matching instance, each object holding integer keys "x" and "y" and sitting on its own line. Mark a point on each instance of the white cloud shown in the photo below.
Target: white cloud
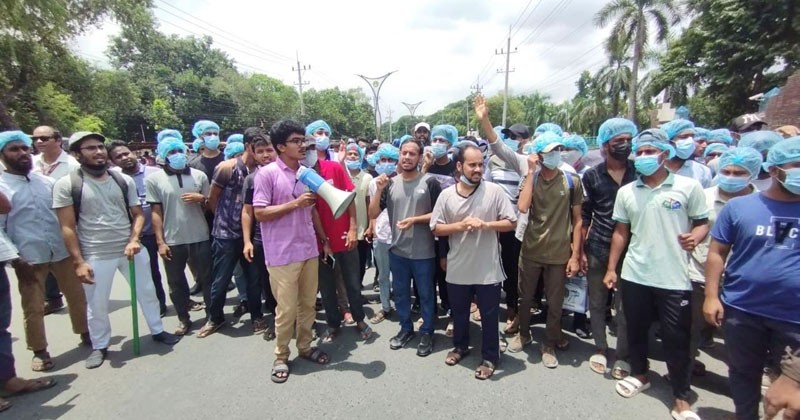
{"x": 437, "y": 47}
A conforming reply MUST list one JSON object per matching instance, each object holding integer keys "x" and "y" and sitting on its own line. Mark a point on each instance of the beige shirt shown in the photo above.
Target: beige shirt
{"x": 58, "y": 169}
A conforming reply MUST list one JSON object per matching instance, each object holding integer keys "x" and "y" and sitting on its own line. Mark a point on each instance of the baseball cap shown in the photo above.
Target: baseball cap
{"x": 746, "y": 121}
{"x": 422, "y": 125}
{"x": 546, "y": 142}
{"x": 517, "y": 131}
{"x": 76, "y": 138}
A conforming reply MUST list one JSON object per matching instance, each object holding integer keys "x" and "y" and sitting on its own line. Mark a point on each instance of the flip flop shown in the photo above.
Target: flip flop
{"x": 631, "y": 387}
{"x": 279, "y": 366}
{"x": 598, "y": 359}
{"x": 33, "y": 385}
{"x": 685, "y": 415}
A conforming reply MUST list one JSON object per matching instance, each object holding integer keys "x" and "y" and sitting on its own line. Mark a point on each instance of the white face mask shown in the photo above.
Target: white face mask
{"x": 311, "y": 158}
{"x": 570, "y": 157}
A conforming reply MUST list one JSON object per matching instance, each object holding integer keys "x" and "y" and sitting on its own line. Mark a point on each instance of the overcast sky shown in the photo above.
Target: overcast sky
{"x": 439, "y": 48}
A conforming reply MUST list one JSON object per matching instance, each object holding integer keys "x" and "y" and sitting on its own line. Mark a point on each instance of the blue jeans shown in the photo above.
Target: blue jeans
{"x": 381, "y": 253}
{"x": 347, "y": 265}
{"x": 422, "y": 271}
{"x": 748, "y": 339}
{"x": 240, "y": 281}
{"x": 6, "y": 357}
{"x": 227, "y": 253}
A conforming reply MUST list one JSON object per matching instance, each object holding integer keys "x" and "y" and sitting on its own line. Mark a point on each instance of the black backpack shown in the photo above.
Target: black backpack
{"x": 76, "y": 181}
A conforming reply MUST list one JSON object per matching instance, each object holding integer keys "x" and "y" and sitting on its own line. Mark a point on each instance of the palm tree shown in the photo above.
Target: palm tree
{"x": 632, "y": 21}
{"x": 617, "y": 72}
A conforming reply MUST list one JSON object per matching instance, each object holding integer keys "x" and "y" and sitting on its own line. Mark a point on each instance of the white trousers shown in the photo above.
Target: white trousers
{"x": 99, "y": 293}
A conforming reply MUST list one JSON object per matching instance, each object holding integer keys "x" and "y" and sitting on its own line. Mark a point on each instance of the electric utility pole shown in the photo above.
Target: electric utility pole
{"x": 507, "y": 70}
{"x": 300, "y": 69}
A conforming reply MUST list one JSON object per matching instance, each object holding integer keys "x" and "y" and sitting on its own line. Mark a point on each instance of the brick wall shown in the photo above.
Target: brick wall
{"x": 784, "y": 109}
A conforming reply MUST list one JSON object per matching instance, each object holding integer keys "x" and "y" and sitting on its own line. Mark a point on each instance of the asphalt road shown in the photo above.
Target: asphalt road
{"x": 227, "y": 376}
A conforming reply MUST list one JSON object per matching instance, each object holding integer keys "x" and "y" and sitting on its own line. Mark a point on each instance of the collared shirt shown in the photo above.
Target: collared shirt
{"x": 601, "y": 192}
{"x": 138, "y": 179}
{"x": 335, "y": 229}
{"x": 697, "y": 262}
{"x": 656, "y": 217}
{"x": 291, "y": 237}
{"x": 63, "y": 165}
{"x": 32, "y": 224}
{"x": 229, "y": 176}
{"x": 697, "y": 171}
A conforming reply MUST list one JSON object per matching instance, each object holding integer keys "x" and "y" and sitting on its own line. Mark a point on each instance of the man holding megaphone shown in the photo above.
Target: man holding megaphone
{"x": 291, "y": 226}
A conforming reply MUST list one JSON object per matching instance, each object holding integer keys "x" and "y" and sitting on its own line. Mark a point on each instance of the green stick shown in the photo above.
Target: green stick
{"x": 134, "y": 310}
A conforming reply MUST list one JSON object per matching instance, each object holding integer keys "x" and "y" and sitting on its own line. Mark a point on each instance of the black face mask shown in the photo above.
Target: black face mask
{"x": 621, "y": 151}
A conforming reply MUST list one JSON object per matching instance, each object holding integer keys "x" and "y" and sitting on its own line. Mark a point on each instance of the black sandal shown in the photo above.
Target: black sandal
{"x": 316, "y": 355}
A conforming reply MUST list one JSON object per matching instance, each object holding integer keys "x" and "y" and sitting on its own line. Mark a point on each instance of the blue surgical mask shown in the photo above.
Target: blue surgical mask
{"x": 177, "y": 161}
{"x": 353, "y": 165}
{"x": 551, "y": 160}
{"x": 732, "y": 184}
{"x": 512, "y": 144}
{"x": 792, "y": 181}
{"x": 647, "y": 165}
{"x": 438, "y": 150}
{"x": 323, "y": 143}
{"x": 684, "y": 149}
{"x": 372, "y": 160}
{"x": 385, "y": 168}
{"x": 310, "y": 160}
{"x": 468, "y": 182}
{"x": 212, "y": 142}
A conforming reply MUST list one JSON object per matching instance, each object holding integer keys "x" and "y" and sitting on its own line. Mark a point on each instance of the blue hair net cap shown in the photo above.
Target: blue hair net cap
{"x": 236, "y": 138}
{"x": 574, "y": 141}
{"x": 197, "y": 144}
{"x": 760, "y": 140}
{"x": 354, "y": 146}
{"x": 675, "y": 127}
{"x": 445, "y": 131}
{"x": 405, "y": 137}
{"x": 613, "y": 127}
{"x": 169, "y": 144}
{"x": 715, "y": 148}
{"x": 655, "y": 137}
{"x": 168, "y": 133}
{"x": 549, "y": 127}
{"x": 701, "y": 133}
{"x": 787, "y": 151}
{"x": 499, "y": 131}
{"x": 233, "y": 149}
{"x": 15, "y": 135}
{"x": 202, "y": 126}
{"x": 746, "y": 157}
{"x": 388, "y": 151}
{"x": 722, "y": 135}
{"x": 545, "y": 139}
{"x": 316, "y": 125}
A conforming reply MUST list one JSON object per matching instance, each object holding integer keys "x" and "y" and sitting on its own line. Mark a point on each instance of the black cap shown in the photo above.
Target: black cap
{"x": 747, "y": 121}
{"x": 517, "y": 131}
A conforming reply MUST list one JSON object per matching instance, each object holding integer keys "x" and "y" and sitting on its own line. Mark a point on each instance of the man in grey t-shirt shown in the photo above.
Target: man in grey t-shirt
{"x": 409, "y": 199}
{"x": 471, "y": 214}
{"x": 177, "y": 195}
{"x": 101, "y": 237}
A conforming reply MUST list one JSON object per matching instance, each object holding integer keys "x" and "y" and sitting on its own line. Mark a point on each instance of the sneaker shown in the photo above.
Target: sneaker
{"x": 517, "y": 343}
{"x": 401, "y": 339}
{"x": 96, "y": 358}
{"x": 425, "y": 347}
{"x": 240, "y": 309}
{"x": 549, "y": 359}
{"x": 166, "y": 338}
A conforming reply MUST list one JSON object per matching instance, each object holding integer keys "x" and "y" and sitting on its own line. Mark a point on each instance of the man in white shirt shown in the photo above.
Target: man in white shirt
{"x": 53, "y": 162}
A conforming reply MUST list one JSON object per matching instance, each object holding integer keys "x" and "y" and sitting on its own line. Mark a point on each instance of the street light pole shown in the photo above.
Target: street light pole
{"x": 411, "y": 109}
{"x": 375, "y": 83}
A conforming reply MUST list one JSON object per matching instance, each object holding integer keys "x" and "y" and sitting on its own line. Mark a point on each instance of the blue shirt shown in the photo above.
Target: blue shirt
{"x": 762, "y": 276}
{"x": 138, "y": 179}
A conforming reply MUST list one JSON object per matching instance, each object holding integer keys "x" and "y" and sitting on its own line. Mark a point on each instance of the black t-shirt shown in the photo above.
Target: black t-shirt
{"x": 207, "y": 165}
{"x": 247, "y": 198}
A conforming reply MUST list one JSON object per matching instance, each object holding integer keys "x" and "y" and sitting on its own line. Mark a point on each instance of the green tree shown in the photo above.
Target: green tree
{"x": 632, "y": 21}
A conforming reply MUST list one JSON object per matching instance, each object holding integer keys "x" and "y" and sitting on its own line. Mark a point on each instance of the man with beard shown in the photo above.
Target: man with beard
{"x": 422, "y": 132}
{"x": 126, "y": 161}
{"x": 101, "y": 223}
{"x": 409, "y": 198}
{"x": 33, "y": 228}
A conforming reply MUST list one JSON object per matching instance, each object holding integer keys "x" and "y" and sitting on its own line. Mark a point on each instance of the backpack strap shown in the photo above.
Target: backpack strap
{"x": 76, "y": 183}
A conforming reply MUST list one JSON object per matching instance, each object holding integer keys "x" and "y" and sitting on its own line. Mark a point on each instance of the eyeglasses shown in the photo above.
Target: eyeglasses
{"x": 95, "y": 148}
{"x": 42, "y": 138}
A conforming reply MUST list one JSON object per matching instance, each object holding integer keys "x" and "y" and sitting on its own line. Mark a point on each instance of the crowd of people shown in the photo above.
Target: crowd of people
{"x": 687, "y": 228}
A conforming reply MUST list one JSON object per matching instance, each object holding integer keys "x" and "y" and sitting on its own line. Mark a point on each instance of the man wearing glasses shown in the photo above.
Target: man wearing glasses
{"x": 290, "y": 223}
{"x": 102, "y": 235}
{"x": 53, "y": 162}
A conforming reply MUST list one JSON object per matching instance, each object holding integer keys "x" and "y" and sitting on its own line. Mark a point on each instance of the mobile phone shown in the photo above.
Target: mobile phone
{"x": 330, "y": 261}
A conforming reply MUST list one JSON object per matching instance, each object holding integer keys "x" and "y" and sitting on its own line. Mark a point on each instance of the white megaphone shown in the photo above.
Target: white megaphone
{"x": 337, "y": 199}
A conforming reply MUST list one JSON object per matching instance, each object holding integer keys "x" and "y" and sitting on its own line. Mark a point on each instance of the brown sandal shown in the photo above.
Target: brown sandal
{"x": 485, "y": 370}
{"x": 31, "y": 385}
{"x": 379, "y": 317}
{"x": 455, "y": 356}
{"x": 316, "y": 355}
{"x": 208, "y": 329}
{"x": 41, "y": 363}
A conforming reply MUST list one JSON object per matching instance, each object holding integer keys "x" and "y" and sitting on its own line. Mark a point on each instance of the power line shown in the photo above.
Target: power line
{"x": 559, "y": 7}
{"x": 526, "y": 18}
